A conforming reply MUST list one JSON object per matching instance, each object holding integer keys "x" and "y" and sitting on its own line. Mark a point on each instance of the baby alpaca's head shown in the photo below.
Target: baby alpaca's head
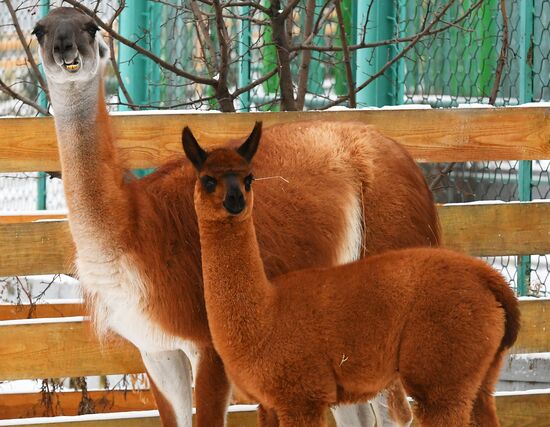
{"x": 223, "y": 188}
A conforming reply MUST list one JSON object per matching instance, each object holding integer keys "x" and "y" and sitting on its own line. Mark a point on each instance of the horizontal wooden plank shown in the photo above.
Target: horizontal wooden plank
{"x": 107, "y": 420}
{"x": 35, "y": 248}
{"x": 29, "y": 405}
{"x": 241, "y": 418}
{"x": 525, "y": 410}
{"x": 40, "y": 311}
{"x": 534, "y": 336}
{"x": 497, "y": 229}
{"x": 481, "y": 230}
{"x": 61, "y": 349}
{"x": 7, "y": 218}
{"x": 29, "y": 144}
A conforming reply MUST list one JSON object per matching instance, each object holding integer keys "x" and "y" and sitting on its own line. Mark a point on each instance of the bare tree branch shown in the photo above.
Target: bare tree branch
{"x": 503, "y": 53}
{"x": 496, "y": 85}
{"x": 118, "y": 77}
{"x": 222, "y": 91}
{"x": 253, "y": 4}
{"x": 36, "y": 71}
{"x": 118, "y": 11}
{"x": 288, "y": 9}
{"x": 303, "y": 72}
{"x": 204, "y": 38}
{"x": 278, "y": 21}
{"x": 172, "y": 68}
{"x": 347, "y": 60}
{"x": 397, "y": 40}
{"x": 396, "y": 58}
{"x": 11, "y": 93}
{"x": 442, "y": 174}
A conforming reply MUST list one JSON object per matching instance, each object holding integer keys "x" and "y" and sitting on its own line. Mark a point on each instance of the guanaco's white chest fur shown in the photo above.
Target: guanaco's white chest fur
{"x": 119, "y": 301}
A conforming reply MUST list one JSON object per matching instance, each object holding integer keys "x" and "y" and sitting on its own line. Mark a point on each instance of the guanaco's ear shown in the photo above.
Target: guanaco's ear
{"x": 39, "y": 30}
{"x": 249, "y": 147}
{"x": 192, "y": 149}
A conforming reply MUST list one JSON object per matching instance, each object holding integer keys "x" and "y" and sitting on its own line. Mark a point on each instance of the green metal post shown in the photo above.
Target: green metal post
{"x": 525, "y": 95}
{"x": 369, "y": 61}
{"x": 42, "y": 194}
{"x": 339, "y": 72}
{"x": 154, "y": 16}
{"x": 133, "y": 22}
{"x": 401, "y": 65}
{"x": 245, "y": 57}
{"x": 487, "y": 33}
{"x": 135, "y": 69}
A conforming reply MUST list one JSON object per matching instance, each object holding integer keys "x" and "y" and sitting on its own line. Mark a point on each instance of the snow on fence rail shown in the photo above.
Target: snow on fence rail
{"x": 67, "y": 347}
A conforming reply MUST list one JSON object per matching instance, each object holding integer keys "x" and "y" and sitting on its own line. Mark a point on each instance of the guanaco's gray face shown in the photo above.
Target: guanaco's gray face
{"x": 225, "y": 178}
{"x": 71, "y": 47}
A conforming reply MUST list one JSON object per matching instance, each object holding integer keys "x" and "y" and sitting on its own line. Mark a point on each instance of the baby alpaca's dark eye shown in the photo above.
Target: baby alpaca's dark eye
{"x": 248, "y": 182}
{"x": 209, "y": 183}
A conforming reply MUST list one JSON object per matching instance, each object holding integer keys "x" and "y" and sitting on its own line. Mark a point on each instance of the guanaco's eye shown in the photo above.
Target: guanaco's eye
{"x": 209, "y": 183}
{"x": 248, "y": 182}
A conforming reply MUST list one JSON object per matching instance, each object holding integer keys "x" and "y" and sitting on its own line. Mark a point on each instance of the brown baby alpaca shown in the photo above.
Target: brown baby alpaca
{"x": 437, "y": 320}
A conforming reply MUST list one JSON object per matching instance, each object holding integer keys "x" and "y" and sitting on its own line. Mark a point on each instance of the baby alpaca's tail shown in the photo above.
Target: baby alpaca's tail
{"x": 484, "y": 412}
{"x": 507, "y": 299}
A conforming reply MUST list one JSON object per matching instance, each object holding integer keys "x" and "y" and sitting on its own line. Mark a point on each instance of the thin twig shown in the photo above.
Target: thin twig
{"x": 272, "y": 177}
{"x": 278, "y": 21}
{"x": 396, "y": 58}
{"x": 496, "y": 85}
{"x": 11, "y": 93}
{"x": 306, "y": 57}
{"x": 254, "y": 4}
{"x": 442, "y": 174}
{"x": 289, "y": 8}
{"x": 133, "y": 44}
{"x": 347, "y": 60}
{"x": 119, "y": 78}
{"x": 503, "y": 53}
{"x": 25, "y": 45}
{"x": 204, "y": 38}
{"x": 397, "y": 40}
{"x": 118, "y": 11}
{"x": 222, "y": 92}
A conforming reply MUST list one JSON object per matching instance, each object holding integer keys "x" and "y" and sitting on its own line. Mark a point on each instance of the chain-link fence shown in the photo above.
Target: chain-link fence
{"x": 440, "y": 52}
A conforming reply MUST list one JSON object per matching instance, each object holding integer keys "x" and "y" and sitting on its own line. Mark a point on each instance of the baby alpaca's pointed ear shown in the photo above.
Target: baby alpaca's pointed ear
{"x": 249, "y": 147}
{"x": 192, "y": 149}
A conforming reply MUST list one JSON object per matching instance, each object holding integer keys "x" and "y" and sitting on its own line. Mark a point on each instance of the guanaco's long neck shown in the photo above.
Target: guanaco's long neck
{"x": 97, "y": 197}
{"x": 237, "y": 292}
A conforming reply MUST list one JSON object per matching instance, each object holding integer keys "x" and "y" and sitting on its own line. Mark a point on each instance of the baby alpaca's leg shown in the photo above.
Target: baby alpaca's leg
{"x": 312, "y": 415}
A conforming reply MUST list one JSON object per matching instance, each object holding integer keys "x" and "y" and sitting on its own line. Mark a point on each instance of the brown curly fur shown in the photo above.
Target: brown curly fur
{"x": 437, "y": 320}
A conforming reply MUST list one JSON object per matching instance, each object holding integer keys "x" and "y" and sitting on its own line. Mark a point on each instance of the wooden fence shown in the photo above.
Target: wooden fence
{"x": 60, "y": 344}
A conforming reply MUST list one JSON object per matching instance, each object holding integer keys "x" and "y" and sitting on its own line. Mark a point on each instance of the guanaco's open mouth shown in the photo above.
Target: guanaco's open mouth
{"x": 72, "y": 67}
